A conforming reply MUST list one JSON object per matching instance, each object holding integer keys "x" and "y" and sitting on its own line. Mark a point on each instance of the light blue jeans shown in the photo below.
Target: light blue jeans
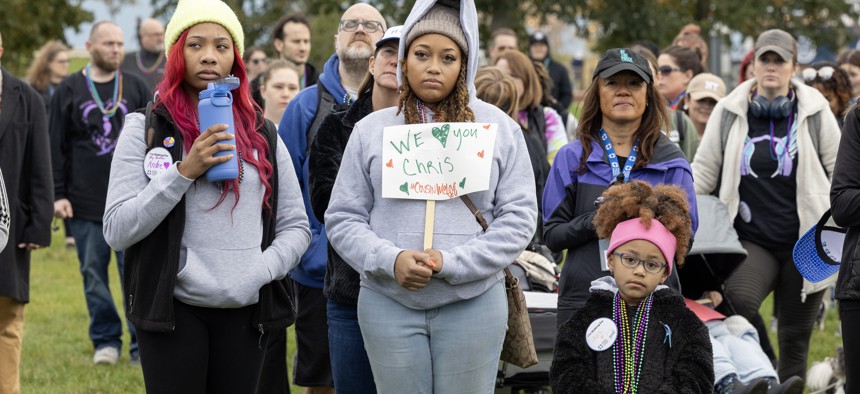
{"x": 738, "y": 353}
{"x": 451, "y": 349}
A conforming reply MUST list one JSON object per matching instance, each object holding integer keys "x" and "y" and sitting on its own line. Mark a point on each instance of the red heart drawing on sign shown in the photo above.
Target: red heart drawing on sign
{"x": 390, "y": 163}
{"x": 481, "y": 154}
{"x": 487, "y": 126}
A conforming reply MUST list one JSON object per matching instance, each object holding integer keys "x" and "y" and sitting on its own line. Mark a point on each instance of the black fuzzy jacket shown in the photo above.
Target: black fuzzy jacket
{"x": 324, "y": 156}
{"x": 686, "y": 367}
{"x": 845, "y": 203}
{"x": 149, "y": 272}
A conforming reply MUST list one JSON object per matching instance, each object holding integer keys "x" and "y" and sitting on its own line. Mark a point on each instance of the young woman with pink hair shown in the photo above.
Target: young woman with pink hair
{"x": 206, "y": 261}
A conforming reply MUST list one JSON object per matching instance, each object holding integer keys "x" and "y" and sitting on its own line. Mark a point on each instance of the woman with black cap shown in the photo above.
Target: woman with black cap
{"x": 619, "y": 139}
{"x": 433, "y": 320}
{"x": 768, "y": 150}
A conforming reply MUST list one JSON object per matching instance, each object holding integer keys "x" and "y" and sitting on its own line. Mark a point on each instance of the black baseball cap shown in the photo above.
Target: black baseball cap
{"x": 623, "y": 59}
{"x": 538, "y": 36}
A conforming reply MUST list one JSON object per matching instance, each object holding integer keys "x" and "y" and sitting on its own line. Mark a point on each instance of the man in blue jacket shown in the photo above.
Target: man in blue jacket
{"x": 361, "y": 26}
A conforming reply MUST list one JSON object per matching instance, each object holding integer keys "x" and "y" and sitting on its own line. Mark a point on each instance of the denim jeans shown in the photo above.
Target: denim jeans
{"x": 94, "y": 257}
{"x": 453, "y": 348}
{"x": 738, "y": 353}
{"x": 350, "y": 367}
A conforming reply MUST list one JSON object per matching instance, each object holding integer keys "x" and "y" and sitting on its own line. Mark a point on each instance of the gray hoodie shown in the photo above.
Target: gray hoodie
{"x": 369, "y": 231}
{"x": 221, "y": 264}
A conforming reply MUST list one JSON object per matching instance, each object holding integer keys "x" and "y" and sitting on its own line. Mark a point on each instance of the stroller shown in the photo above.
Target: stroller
{"x": 716, "y": 250}
{"x": 538, "y": 277}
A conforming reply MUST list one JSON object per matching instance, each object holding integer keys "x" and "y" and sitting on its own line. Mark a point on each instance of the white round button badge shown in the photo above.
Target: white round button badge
{"x": 601, "y": 334}
{"x": 157, "y": 162}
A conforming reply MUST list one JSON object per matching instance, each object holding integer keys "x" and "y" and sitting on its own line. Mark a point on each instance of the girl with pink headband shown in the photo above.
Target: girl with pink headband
{"x": 634, "y": 334}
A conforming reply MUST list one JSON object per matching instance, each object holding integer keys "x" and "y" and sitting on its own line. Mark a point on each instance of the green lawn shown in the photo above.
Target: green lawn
{"x": 57, "y": 354}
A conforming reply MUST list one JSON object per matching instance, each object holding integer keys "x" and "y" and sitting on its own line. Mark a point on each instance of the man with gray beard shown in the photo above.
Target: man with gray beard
{"x": 87, "y": 113}
{"x": 361, "y": 26}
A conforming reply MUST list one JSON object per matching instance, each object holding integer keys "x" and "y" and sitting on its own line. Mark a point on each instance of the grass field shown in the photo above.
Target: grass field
{"x": 57, "y": 356}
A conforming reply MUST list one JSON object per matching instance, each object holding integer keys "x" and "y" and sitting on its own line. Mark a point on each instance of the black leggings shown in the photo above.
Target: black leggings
{"x": 849, "y": 313}
{"x": 764, "y": 271}
{"x": 211, "y": 350}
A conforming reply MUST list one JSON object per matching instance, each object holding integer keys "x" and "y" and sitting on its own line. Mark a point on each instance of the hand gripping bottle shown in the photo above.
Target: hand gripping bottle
{"x": 216, "y": 107}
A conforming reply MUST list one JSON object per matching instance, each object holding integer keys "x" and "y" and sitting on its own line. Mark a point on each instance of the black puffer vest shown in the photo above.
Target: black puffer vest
{"x": 149, "y": 275}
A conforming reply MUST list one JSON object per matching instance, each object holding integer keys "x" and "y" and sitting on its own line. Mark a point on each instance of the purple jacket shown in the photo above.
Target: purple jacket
{"x": 568, "y": 209}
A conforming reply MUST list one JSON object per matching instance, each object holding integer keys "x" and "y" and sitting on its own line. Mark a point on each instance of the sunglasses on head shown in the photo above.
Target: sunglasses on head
{"x": 825, "y": 73}
{"x": 666, "y": 70}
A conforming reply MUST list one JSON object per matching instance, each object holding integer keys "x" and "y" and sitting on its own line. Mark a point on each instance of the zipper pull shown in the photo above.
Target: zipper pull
{"x": 260, "y": 341}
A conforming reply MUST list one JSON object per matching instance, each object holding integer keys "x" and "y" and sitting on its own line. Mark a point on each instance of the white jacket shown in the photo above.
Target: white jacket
{"x": 813, "y": 168}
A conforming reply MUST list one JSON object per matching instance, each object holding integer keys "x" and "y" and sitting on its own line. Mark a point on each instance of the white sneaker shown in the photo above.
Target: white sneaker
{"x": 106, "y": 355}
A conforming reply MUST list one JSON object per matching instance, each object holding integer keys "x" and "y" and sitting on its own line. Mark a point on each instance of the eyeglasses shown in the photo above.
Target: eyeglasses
{"x": 258, "y": 61}
{"x": 666, "y": 70}
{"x": 350, "y": 25}
{"x": 62, "y": 61}
{"x": 631, "y": 261}
{"x": 825, "y": 73}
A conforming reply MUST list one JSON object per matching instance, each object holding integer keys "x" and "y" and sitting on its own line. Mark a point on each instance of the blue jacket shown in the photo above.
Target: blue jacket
{"x": 568, "y": 203}
{"x": 293, "y": 130}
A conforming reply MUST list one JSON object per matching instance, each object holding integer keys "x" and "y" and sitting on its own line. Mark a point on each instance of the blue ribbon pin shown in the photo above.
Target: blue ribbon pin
{"x": 668, "y": 336}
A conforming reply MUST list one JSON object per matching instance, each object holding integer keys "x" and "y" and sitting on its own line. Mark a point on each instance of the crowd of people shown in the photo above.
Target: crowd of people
{"x": 213, "y": 272}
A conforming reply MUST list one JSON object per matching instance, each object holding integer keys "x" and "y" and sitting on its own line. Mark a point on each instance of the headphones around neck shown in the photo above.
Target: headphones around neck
{"x": 780, "y": 108}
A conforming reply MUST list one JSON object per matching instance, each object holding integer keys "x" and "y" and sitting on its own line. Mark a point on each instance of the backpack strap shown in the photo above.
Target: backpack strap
{"x": 815, "y": 135}
{"x": 726, "y": 118}
{"x": 326, "y": 104}
{"x": 681, "y": 126}
{"x": 148, "y": 124}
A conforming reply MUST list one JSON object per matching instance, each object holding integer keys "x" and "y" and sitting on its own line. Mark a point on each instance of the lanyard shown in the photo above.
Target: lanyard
{"x": 674, "y": 104}
{"x": 613, "y": 158}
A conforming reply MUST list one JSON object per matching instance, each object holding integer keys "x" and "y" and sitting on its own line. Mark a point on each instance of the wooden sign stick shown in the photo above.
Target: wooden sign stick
{"x": 429, "y": 218}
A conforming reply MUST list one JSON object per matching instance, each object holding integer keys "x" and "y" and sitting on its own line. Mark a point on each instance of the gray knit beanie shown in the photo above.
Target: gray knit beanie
{"x": 443, "y": 20}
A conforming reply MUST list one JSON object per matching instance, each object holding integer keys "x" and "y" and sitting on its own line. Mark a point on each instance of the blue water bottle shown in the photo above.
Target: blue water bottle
{"x": 216, "y": 107}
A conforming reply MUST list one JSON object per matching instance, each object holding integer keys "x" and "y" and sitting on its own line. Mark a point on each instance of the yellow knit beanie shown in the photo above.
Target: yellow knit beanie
{"x": 191, "y": 12}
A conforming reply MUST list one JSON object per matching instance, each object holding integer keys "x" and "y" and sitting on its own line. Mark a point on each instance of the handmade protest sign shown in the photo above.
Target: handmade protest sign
{"x": 436, "y": 161}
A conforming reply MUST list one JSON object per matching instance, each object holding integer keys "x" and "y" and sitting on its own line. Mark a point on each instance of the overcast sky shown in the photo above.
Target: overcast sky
{"x": 127, "y": 19}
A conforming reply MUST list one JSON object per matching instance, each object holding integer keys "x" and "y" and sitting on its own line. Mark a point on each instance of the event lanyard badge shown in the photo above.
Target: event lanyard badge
{"x": 613, "y": 158}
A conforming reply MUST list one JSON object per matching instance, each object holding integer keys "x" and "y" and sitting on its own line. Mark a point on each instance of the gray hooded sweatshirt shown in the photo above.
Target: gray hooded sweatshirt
{"x": 369, "y": 231}
{"x": 221, "y": 264}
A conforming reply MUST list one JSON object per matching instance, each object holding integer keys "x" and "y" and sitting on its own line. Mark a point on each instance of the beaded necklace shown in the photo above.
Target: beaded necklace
{"x": 422, "y": 113}
{"x": 346, "y": 99}
{"x": 117, "y": 92}
{"x": 629, "y": 350}
{"x": 151, "y": 69}
{"x": 220, "y": 184}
